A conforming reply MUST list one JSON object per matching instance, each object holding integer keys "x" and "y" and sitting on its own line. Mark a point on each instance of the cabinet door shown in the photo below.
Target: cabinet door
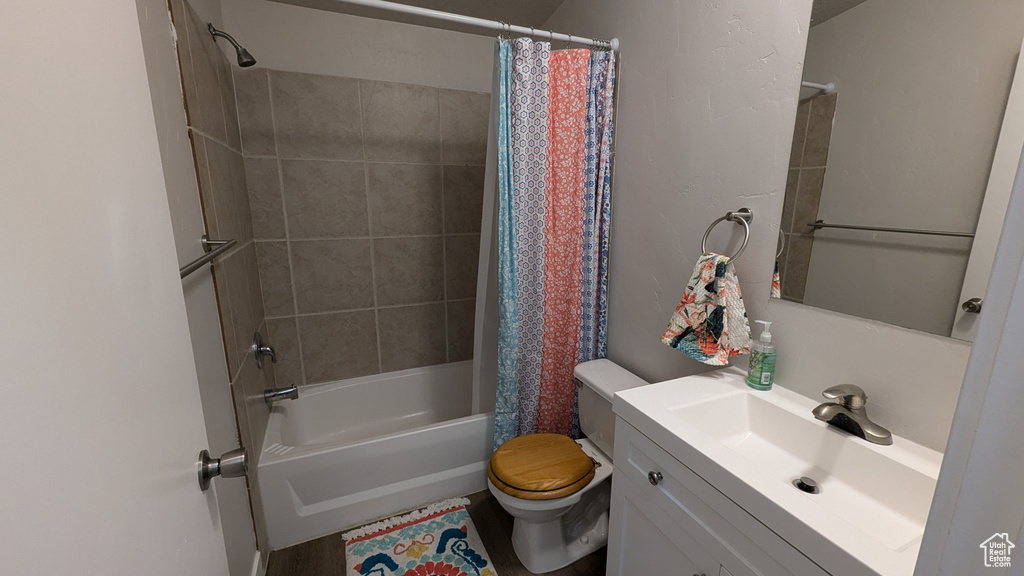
{"x": 642, "y": 540}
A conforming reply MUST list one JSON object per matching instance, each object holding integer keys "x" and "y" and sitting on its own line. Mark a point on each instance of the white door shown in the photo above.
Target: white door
{"x": 997, "y": 194}
{"x": 100, "y": 412}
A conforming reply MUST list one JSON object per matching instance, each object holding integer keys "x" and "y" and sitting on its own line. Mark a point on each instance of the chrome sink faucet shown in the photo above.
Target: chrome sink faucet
{"x": 849, "y": 414}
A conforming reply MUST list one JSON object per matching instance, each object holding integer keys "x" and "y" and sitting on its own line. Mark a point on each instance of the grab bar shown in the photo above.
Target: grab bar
{"x": 222, "y": 246}
{"x": 744, "y": 216}
{"x": 821, "y": 224}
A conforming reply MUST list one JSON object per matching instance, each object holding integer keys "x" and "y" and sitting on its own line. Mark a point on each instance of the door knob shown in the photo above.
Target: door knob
{"x": 972, "y": 306}
{"x": 654, "y": 477}
{"x": 231, "y": 464}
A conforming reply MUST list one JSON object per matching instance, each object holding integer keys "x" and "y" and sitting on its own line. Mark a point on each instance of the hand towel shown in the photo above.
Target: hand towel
{"x": 776, "y": 283}
{"x": 710, "y": 322}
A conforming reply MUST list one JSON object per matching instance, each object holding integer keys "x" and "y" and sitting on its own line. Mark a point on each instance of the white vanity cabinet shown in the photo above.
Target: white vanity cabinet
{"x": 665, "y": 519}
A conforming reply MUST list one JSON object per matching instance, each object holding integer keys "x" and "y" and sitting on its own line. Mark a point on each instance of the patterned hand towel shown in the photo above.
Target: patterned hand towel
{"x": 776, "y": 283}
{"x": 710, "y": 322}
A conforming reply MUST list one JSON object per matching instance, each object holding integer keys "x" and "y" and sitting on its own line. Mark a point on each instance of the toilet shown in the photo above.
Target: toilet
{"x": 557, "y": 489}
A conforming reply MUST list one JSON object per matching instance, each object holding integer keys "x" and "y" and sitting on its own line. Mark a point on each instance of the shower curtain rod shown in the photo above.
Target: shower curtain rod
{"x": 470, "y": 21}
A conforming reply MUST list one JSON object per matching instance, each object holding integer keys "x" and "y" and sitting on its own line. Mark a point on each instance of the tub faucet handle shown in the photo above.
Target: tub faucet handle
{"x": 261, "y": 349}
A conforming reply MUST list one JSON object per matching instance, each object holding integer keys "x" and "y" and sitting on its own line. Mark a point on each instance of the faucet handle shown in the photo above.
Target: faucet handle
{"x": 849, "y": 395}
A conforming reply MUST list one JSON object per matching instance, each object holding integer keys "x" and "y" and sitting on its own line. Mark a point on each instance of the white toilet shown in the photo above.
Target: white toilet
{"x": 558, "y": 490}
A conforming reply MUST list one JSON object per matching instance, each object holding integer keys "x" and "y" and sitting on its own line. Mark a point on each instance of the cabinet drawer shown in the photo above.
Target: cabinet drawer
{"x": 743, "y": 545}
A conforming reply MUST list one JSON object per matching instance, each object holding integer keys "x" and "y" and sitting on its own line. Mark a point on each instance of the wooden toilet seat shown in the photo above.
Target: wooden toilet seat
{"x": 540, "y": 467}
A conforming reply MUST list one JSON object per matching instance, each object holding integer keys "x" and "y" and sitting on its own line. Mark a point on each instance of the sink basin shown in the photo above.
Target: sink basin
{"x": 886, "y": 499}
{"x": 869, "y": 515}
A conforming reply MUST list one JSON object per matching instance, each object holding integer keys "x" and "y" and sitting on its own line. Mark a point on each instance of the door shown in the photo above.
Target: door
{"x": 100, "y": 413}
{"x": 993, "y": 209}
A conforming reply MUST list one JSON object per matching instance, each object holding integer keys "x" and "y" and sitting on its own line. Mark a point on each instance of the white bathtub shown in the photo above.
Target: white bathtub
{"x": 352, "y": 451}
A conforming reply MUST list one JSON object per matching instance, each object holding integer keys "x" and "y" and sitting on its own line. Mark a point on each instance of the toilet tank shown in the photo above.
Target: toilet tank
{"x": 598, "y": 381}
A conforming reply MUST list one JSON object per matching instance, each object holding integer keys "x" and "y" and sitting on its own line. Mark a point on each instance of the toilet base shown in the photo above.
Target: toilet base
{"x": 542, "y": 547}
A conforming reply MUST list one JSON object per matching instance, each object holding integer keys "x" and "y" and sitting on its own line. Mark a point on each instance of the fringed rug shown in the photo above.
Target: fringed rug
{"x": 439, "y": 540}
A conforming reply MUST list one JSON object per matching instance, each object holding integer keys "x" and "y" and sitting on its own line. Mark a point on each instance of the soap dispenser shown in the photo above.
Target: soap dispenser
{"x": 762, "y": 360}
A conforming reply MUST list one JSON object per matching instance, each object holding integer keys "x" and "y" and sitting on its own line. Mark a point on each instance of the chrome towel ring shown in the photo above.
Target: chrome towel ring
{"x": 743, "y": 216}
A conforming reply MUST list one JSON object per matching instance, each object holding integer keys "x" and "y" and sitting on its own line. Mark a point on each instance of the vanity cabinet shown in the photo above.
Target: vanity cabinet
{"x": 665, "y": 519}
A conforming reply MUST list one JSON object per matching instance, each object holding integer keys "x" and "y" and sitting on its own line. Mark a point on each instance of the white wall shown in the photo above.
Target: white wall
{"x": 284, "y": 37}
{"x": 706, "y": 110}
{"x": 707, "y": 102}
{"x": 101, "y": 409}
{"x": 922, "y": 85}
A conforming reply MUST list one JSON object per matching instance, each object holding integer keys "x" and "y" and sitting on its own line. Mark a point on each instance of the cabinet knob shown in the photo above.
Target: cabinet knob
{"x": 654, "y": 478}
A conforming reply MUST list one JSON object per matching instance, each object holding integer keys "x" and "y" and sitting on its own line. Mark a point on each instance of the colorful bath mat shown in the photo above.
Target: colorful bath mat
{"x": 439, "y": 540}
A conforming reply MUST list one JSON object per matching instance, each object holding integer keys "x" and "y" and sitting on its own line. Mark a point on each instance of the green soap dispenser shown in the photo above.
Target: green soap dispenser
{"x": 762, "y": 360}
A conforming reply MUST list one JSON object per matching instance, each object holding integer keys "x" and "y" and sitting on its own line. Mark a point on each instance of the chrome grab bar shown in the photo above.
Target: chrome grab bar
{"x": 213, "y": 248}
{"x": 821, "y": 224}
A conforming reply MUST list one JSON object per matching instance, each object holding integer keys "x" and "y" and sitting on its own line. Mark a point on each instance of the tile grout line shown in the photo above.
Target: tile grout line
{"x": 444, "y": 228}
{"x": 369, "y": 227}
{"x": 287, "y": 233}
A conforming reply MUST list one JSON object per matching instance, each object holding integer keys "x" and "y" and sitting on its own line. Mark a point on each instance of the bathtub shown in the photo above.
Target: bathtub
{"x": 356, "y": 450}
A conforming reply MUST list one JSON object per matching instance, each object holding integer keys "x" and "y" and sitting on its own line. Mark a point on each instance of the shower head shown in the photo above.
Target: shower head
{"x": 244, "y": 58}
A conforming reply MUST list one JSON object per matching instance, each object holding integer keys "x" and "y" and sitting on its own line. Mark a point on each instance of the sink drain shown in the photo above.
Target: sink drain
{"x": 806, "y": 484}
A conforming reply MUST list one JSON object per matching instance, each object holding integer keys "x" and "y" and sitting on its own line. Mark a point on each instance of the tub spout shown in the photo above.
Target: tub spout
{"x": 272, "y": 395}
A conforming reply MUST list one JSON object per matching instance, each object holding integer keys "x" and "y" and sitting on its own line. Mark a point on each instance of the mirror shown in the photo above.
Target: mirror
{"x": 905, "y": 141}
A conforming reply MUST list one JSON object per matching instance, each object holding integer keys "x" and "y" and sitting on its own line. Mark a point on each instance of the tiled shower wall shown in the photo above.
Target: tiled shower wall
{"x": 811, "y": 137}
{"x": 216, "y": 145}
{"x": 366, "y": 206}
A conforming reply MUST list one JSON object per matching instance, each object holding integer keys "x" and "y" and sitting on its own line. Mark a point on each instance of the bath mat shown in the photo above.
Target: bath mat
{"x": 439, "y": 540}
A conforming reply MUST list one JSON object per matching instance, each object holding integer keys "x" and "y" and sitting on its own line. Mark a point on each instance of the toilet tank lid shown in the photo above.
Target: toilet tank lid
{"x": 607, "y": 377}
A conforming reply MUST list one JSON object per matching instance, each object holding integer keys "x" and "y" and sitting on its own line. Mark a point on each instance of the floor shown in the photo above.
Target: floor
{"x": 326, "y": 556}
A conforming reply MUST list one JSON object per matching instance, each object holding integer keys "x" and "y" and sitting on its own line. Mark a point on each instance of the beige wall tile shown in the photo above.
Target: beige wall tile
{"x": 409, "y": 270}
{"x": 275, "y": 278}
{"x": 819, "y": 131}
{"x": 405, "y": 199}
{"x": 799, "y": 249}
{"x": 222, "y": 190}
{"x": 331, "y": 275}
{"x": 412, "y": 336}
{"x": 461, "y": 322}
{"x": 252, "y": 273}
{"x": 316, "y": 116}
{"x": 792, "y": 185}
{"x": 227, "y": 94}
{"x": 337, "y": 346}
{"x": 205, "y": 185}
{"x": 252, "y": 88}
{"x": 265, "y": 202}
{"x": 461, "y": 256}
{"x": 400, "y": 122}
{"x": 325, "y": 198}
{"x": 463, "y": 198}
{"x": 808, "y": 197}
{"x": 209, "y": 118}
{"x": 465, "y": 117}
{"x": 799, "y": 134}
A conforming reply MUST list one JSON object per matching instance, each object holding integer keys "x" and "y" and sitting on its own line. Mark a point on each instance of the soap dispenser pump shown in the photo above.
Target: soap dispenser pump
{"x": 761, "y": 374}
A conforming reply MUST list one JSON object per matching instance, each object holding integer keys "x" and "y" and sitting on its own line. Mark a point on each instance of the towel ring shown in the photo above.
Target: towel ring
{"x": 744, "y": 216}
{"x": 782, "y": 244}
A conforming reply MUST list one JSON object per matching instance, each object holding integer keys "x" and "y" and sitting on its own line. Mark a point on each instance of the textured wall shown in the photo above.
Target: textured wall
{"x": 366, "y": 200}
{"x": 707, "y": 101}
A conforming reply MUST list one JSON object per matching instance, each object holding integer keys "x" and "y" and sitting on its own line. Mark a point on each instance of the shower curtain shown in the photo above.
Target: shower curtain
{"x": 554, "y": 129}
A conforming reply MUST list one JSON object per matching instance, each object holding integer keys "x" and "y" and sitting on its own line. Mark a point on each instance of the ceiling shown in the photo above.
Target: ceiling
{"x": 825, "y": 9}
{"x": 519, "y": 12}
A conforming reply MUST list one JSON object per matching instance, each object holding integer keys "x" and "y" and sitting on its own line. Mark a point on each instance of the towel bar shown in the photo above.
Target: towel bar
{"x": 744, "y": 216}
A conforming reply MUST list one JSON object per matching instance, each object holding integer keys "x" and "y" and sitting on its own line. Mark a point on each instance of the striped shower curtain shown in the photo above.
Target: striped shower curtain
{"x": 554, "y": 128}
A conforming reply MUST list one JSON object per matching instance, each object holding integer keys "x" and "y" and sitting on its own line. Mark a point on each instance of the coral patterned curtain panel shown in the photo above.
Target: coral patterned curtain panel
{"x": 555, "y": 116}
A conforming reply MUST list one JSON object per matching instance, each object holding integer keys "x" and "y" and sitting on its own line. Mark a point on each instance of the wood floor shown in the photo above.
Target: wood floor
{"x": 326, "y": 556}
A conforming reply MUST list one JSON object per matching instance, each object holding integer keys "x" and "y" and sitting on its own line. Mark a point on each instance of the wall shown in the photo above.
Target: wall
{"x": 706, "y": 113}
{"x": 807, "y": 161}
{"x": 707, "y": 103}
{"x": 366, "y": 200}
{"x": 284, "y": 37}
{"x": 216, "y": 143}
{"x": 922, "y": 88}
{"x": 101, "y": 406}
